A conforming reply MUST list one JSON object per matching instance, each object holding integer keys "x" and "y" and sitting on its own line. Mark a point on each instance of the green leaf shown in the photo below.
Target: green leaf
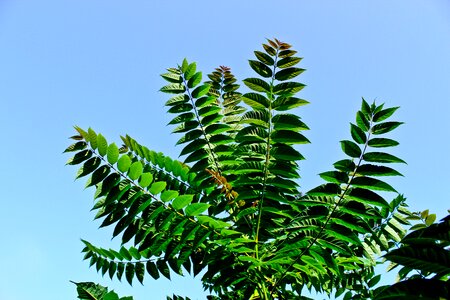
{"x": 288, "y": 137}
{"x": 152, "y": 270}
{"x": 145, "y": 179}
{"x": 173, "y": 88}
{"x": 89, "y": 166}
{"x": 140, "y": 272}
{"x": 163, "y": 268}
{"x": 367, "y": 197}
{"x": 357, "y": 134}
{"x": 286, "y": 53}
{"x": 260, "y": 68}
{"x": 287, "y": 103}
{"x": 351, "y": 149}
{"x": 184, "y": 65}
{"x": 195, "y": 80}
{"x": 112, "y": 153}
{"x": 168, "y": 195}
{"x": 264, "y": 58}
{"x": 190, "y": 71}
{"x": 124, "y": 252}
{"x": 136, "y": 170}
{"x": 257, "y": 85}
{"x": 382, "y": 142}
{"x": 288, "y": 121}
{"x": 129, "y": 273}
{"x": 372, "y": 184}
{"x": 200, "y": 91}
{"x": 111, "y": 296}
{"x": 269, "y": 49}
{"x": 288, "y": 88}
{"x": 365, "y": 107}
{"x": 430, "y": 219}
{"x": 285, "y": 152}
{"x": 375, "y": 170}
{"x": 172, "y": 77}
{"x": 157, "y": 187}
{"x": 196, "y": 209}
{"x": 346, "y": 165}
{"x": 98, "y": 175}
{"x": 76, "y": 147}
{"x": 92, "y": 138}
{"x": 329, "y": 189}
{"x": 362, "y": 122}
{"x": 182, "y": 201}
{"x": 79, "y": 157}
{"x": 256, "y": 101}
{"x": 102, "y": 144}
{"x": 288, "y": 73}
{"x": 381, "y": 157}
{"x": 385, "y": 127}
{"x": 384, "y": 114}
{"x": 288, "y": 62}
{"x": 124, "y": 163}
{"x": 334, "y": 177}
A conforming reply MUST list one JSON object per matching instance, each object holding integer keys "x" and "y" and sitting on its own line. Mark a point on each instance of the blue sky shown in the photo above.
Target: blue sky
{"x": 97, "y": 63}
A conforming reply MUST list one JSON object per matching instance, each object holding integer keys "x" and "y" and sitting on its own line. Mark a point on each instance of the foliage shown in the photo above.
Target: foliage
{"x": 233, "y": 208}
{"x": 425, "y": 259}
{"x": 91, "y": 291}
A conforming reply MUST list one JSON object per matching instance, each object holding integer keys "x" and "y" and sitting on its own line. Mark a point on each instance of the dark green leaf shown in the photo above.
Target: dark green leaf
{"x": 264, "y": 58}
{"x": 88, "y": 167}
{"x": 329, "y": 189}
{"x": 260, "y": 68}
{"x": 288, "y": 137}
{"x": 288, "y": 88}
{"x": 76, "y": 147}
{"x": 384, "y": 114}
{"x": 346, "y": 165}
{"x": 285, "y": 152}
{"x": 375, "y": 170}
{"x": 351, "y": 149}
{"x": 288, "y": 62}
{"x": 362, "y": 121}
{"x": 195, "y": 80}
{"x": 334, "y": 177}
{"x": 385, "y": 127}
{"x": 200, "y": 91}
{"x": 288, "y": 73}
{"x": 152, "y": 270}
{"x": 372, "y": 184}
{"x": 79, "y": 157}
{"x": 358, "y": 134}
{"x": 257, "y": 85}
{"x": 367, "y": 197}
{"x": 269, "y": 49}
{"x": 256, "y": 101}
{"x": 98, "y": 175}
{"x": 283, "y": 103}
{"x": 163, "y": 268}
{"x": 381, "y": 157}
{"x": 129, "y": 273}
{"x": 382, "y": 142}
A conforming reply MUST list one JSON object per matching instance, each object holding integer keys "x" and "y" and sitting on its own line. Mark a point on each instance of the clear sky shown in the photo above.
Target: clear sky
{"x": 97, "y": 63}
